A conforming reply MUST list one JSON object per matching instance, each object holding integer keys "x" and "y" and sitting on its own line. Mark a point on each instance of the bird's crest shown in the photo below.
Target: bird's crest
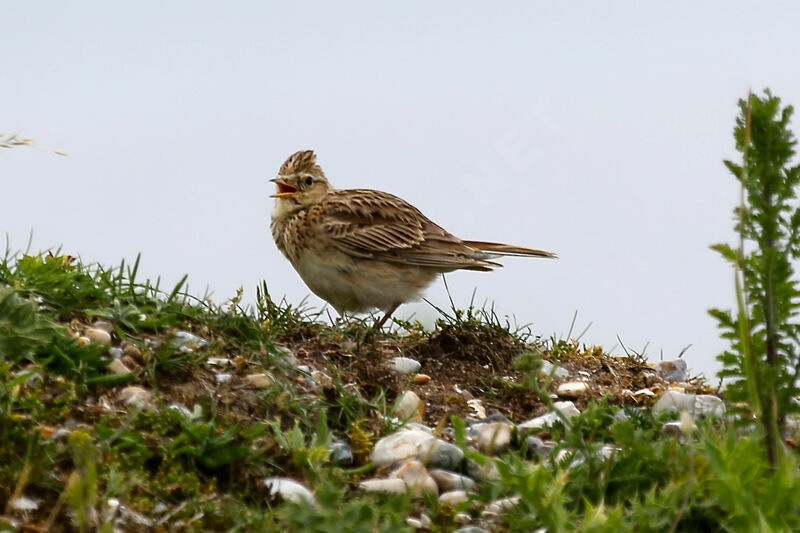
{"x": 302, "y": 161}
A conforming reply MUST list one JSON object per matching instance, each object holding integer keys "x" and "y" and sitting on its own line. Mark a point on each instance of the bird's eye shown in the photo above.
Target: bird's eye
{"x": 309, "y": 181}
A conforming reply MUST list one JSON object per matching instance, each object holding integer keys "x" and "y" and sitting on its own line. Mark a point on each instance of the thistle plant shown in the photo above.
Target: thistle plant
{"x": 764, "y": 355}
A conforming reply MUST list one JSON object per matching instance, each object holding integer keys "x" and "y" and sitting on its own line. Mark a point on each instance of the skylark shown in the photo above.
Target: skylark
{"x": 360, "y": 249}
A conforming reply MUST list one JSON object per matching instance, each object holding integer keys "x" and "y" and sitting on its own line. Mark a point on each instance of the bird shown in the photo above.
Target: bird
{"x": 363, "y": 249}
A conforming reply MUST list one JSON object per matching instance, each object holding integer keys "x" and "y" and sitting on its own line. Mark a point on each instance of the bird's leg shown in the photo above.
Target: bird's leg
{"x": 382, "y": 321}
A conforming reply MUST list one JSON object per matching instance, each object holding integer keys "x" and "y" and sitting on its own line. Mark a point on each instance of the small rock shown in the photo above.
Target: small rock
{"x": 491, "y": 438}
{"x": 470, "y": 529}
{"x": 497, "y": 417}
{"x": 448, "y": 481}
{"x": 285, "y": 356}
{"x": 572, "y": 389}
{"x": 567, "y": 408}
{"x": 426, "y": 521}
{"x": 289, "y": 489}
{"x": 115, "y": 352}
{"x": 97, "y": 335}
{"x": 60, "y": 433}
{"x": 398, "y": 446}
{"x": 462, "y": 518}
{"x": 105, "y": 325}
{"x": 421, "y": 378}
{"x": 441, "y": 454}
{"x": 416, "y": 523}
{"x": 222, "y": 377}
{"x": 608, "y": 450}
{"x": 391, "y": 485}
{"x": 477, "y": 407}
{"x": 453, "y": 497}
{"x": 672, "y": 429}
{"x": 478, "y": 472}
{"x": 409, "y": 407}
{"x": 405, "y": 365}
{"x": 188, "y": 341}
{"x": 259, "y": 381}
{"x": 497, "y": 507}
{"x": 341, "y": 453}
{"x": 416, "y": 478}
{"x": 321, "y": 379}
{"x": 24, "y": 504}
{"x": 671, "y": 370}
{"x": 192, "y": 414}
{"x": 694, "y": 404}
{"x": 549, "y": 368}
{"x": 131, "y": 350}
{"x": 535, "y": 445}
{"x": 134, "y": 395}
{"x": 130, "y": 363}
{"x": 118, "y": 367}
{"x": 419, "y": 426}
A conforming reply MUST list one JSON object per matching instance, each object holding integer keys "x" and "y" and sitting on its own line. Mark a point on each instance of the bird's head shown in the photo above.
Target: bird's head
{"x": 301, "y": 183}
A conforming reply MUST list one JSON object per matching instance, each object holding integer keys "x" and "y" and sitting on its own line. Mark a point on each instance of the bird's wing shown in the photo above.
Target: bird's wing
{"x": 378, "y": 225}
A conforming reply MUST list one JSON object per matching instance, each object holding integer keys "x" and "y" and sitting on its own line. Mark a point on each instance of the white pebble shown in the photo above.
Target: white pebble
{"x": 572, "y": 389}
{"x": 259, "y": 381}
{"x": 97, "y": 335}
{"x": 462, "y": 518}
{"x": 454, "y": 497}
{"x": 289, "y": 489}
{"x": 497, "y": 507}
{"x": 416, "y": 523}
{"x": 134, "y": 395}
{"x": 416, "y": 478}
{"x": 118, "y": 367}
{"x": 491, "y": 437}
{"x": 695, "y": 404}
{"x": 399, "y": 446}
{"x": 24, "y": 504}
{"x": 392, "y": 485}
{"x": 405, "y": 365}
{"x": 409, "y": 407}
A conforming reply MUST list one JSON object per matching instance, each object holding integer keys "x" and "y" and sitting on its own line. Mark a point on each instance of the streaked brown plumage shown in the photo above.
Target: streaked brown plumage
{"x": 360, "y": 249}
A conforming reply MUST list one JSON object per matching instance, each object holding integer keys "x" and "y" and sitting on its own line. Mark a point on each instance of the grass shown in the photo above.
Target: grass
{"x": 194, "y": 455}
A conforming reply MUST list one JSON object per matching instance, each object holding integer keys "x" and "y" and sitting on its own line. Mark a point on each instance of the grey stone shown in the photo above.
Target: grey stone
{"x": 448, "y": 481}
{"x": 341, "y": 453}
{"x": 549, "y": 368}
{"x": 438, "y": 453}
{"x": 491, "y": 437}
{"x": 567, "y": 408}
{"x": 672, "y": 370}
{"x": 535, "y": 445}
{"x": 694, "y": 404}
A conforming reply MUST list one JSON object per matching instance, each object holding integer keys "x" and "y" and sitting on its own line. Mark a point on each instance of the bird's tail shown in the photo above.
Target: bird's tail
{"x": 506, "y": 249}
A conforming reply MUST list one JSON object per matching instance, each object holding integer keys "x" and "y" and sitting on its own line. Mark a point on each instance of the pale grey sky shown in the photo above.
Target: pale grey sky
{"x": 594, "y": 129}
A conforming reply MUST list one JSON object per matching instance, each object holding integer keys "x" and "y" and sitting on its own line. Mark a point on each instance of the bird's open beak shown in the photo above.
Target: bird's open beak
{"x": 284, "y": 189}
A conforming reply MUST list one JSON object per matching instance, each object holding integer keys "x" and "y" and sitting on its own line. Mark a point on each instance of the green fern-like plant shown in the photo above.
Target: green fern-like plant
{"x": 764, "y": 356}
